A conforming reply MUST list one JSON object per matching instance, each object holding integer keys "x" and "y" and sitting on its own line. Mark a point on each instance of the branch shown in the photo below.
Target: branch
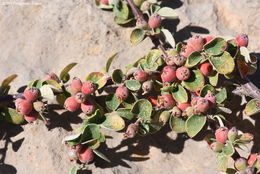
{"x": 248, "y": 89}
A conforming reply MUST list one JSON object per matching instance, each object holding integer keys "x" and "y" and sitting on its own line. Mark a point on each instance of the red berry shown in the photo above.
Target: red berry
{"x": 196, "y": 43}
{"x": 183, "y": 73}
{"x": 153, "y": 100}
{"x": 77, "y": 148}
{"x": 106, "y": 2}
{"x": 154, "y": 21}
{"x": 87, "y": 107}
{"x": 183, "y": 106}
{"x": 221, "y": 134}
{"x": 71, "y": 104}
{"x": 140, "y": 75}
{"x": 205, "y": 68}
{"x": 242, "y": 40}
{"x": 194, "y": 101}
{"x": 86, "y": 155}
{"x": 75, "y": 86}
{"x": 80, "y": 97}
{"x": 31, "y": 117}
{"x": 122, "y": 93}
{"x": 202, "y": 105}
{"x": 31, "y": 93}
{"x": 52, "y": 76}
{"x": 212, "y": 99}
{"x": 252, "y": 159}
{"x": 167, "y": 101}
{"x": 207, "y": 39}
{"x": 169, "y": 74}
{"x": 179, "y": 60}
{"x": 23, "y": 106}
{"x": 88, "y": 88}
{"x": 187, "y": 50}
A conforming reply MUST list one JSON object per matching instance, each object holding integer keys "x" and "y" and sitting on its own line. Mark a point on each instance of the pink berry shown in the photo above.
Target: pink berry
{"x": 140, "y": 75}
{"x": 31, "y": 117}
{"x": 179, "y": 60}
{"x": 75, "y": 86}
{"x": 170, "y": 60}
{"x": 52, "y": 76}
{"x": 87, "y": 107}
{"x": 252, "y": 159}
{"x": 80, "y": 97}
{"x": 194, "y": 101}
{"x": 169, "y": 74}
{"x": 106, "y": 2}
{"x": 88, "y": 88}
{"x": 207, "y": 39}
{"x": 211, "y": 98}
{"x": 221, "y": 134}
{"x": 31, "y": 93}
{"x": 183, "y": 106}
{"x": 77, "y": 148}
{"x": 202, "y": 105}
{"x": 187, "y": 50}
{"x": 122, "y": 93}
{"x": 23, "y": 106}
{"x": 86, "y": 155}
{"x": 242, "y": 40}
{"x": 167, "y": 100}
{"x": 154, "y": 21}
{"x": 71, "y": 104}
{"x": 183, "y": 73}
{"x": 205, "y": 68}
{"x": 196, "y": 43}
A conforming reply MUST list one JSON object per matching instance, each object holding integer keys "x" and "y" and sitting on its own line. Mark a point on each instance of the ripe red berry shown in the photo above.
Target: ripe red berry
{"x": 211, "y": 98}
{"x": 169, "y": 74}
{"x": 179, "y": 60}
{"x": 252, "y": 159}
{"x": 187, "y": 50}
{"x": 31, "y": 93}
{"x": 87, "y": 107}
{"x": 183, "y": 106}
{"x": 202, "y": 105}
{"x": 207, "y": 39}
{"x": 196, "y": 43}
{"x": 80, "y": 97}
{"x": 88, "y": 88}
{"x": 221, "y": 134}
{"x": 86, "y": 155}
{"x": 154, "y": 21}
{"x": 205, "y": 68}
{"x": 31, "y": 117}
{"x": 75, "y": 86}
{"x": 183, "y": 73}
{"x": 71, "y": 104}
{"x": 122, "y": 93}
{"x": 153, "y": 100}
{"x": 52, "y": 76}
{"x": 242, "y": 40}
{"x": 23, "y": 106}
{"x": 106, "y": 2}
{"x": 140, "y": 75}
{"x": 167, "y": 101}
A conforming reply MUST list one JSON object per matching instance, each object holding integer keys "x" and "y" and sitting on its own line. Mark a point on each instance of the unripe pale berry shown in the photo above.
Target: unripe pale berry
{"x": 80, "y": 97}
{"x": 179, "y": 60}
{"x": 169, "y": 74}
{"x": 87, "y": 107}
{"x": 216, "y": 146}
{"x": 73, "y": 156}
{"x": 131, "y": 130}
{"x": 170, "y": 60}
{"x": 205, "y": 68}
{"x": 75, "y": 86}
{"x": 31, "y": 117}
{"x": 71, "y": 104}
{"x": 183, "y": 73}
{"x": 31, "y": 93}
{"x": 52, "y": 76}
{"x": 202, "y": 105}
{"x": 211, "y": 98}
{"x": 88, "y": 88}
{"x": 167, "y": 100}
{"x": 176, "y": 112}
{"x": 252, "y": 159}
{"x": 138, "y": 3}
{"x": 187, "y": 50}
{"x": 196, "y": 42}
{"x": 145, "y": 6}
{"x": 207, "y": 39}
{"x": 250, "y": 170}
{"x": 39, "y": 106}
{"x": 154, "y": 21}
{"x": 221, "y": 134}
{"x": 23, "y": 106}
{"x": 164, "y": 117}
{"x": 232, "y": 134}
{"x": 246, "y": 137}
{"x": 141, "y": 24}
{"x": 240, "y": 164}
{"x": 183, "y": 106}
{"x": 188, "y": 112}
{"x": 105, "y": 2}
{"x": 122, "y": 93}
{"x": 86, "y": 155}
{"x": 242, "y": 40}
{"x": 147, "y": 86}
{"x": 140, "y": 75}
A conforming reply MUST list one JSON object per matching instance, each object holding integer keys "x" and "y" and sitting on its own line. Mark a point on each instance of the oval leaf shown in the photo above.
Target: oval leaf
{"x": 112, "y": 102}
{"x": 12, "y": 116}
{"x": 64, "y": 73}
{"x": 117, "y": 76}
{"x": 133, "y": 85}
{"x": 252, "y": 107}
{"x": 169, "y": 38}
{"x": 177, "y": 124}
{"x": 195, "y": 81}
{"x": 47, "y": 93}
{"x": 143, "y": 108}
{"x": 216, "y": 46}
{"x": 101, "y": 155}
{"x": 193, "y": 59}
{"x": 205, "y": 90}
{"x": 194, "y": 124}
{"x": 125, "y": 113}
{"x": 137, "y": 36}
{"x": 168, "y": 13}
{"x": 221, "y": 96}
{"x": 180, "y": 95}
{"x": 8, "y": 80}
{"x": 109, "y": 61}
{"x": 213, "y": 78}
{"x": 114, "y": 121}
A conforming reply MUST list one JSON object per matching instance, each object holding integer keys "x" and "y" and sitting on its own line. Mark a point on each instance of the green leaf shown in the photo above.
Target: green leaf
{"x": 221, "y": 96}
{"x": 97, "y": 117}
{"x": 205, "y": 89}
{"x": 101, "y": 155}
{"x": 74, "y": 170}
{"x": 143, "y": 108}
{"x": 168, "y": 13}
{"x": 133, "y": 85}
{"x": 216, "y": 46}
{"x": 222, "y": 162}
{"x": 109, "y": 61}
{"x": 121, "y": 10}
{"x": 54, "y": 84}
{"x": 193, "y": 59}
{"x": 195, "y": 81}
{"x": 223, "y": 63}
{"x": 213, "y": 78}
{"x": 114, "y": 121}
{"x": 46, "y": 92}
{"x": 169, "y": 38}
{"x": 180, "y": 95}
{"x": 8, "y": 80}
{"x": 112, "y": 102}
{"x": 97, "y": 77}
{"x": 122, "y": 21}
{"x": 137, "y": 36}
{"x": 125, "y": 113}
{"x": 72, "y": 137}
{"x": 252, "y": 107}
{"x": 152, "y": 57}
{"x": 91, "y": 131}
{"x": 64, "y": 73}
{"x": 194, "y": 124}
{"x": 128, "y": 103}
{"x": 117, "y": 76}
{"x": 228, "y": 149}
{"x": 231, "y": 171}
{"x": 12, "y": 116}
{"x": 177, "y": 124}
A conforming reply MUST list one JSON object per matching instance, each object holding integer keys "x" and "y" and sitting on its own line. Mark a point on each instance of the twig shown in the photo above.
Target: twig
{"x": 248, "y": 89}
